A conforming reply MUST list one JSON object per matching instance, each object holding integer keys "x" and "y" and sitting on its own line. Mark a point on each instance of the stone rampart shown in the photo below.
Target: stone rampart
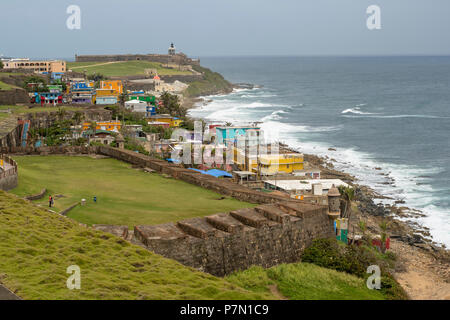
{"x": 178, "y": 58}
{"x": 223, "y": 243}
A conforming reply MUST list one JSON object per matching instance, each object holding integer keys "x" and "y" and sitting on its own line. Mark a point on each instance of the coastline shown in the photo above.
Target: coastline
{"x": 423, "y": 267}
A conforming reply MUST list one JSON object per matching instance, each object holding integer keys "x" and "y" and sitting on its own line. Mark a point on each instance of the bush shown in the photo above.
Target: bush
{"x": 328, "y": 253}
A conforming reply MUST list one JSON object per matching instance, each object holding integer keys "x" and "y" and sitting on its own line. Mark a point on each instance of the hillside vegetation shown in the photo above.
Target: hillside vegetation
{"x": 304, "y": 281}
{"x": 122, "y": 68}
{"x": 6, "y": 87}
{"x": 212, "y": 83}
{"x": 37, "y": 246}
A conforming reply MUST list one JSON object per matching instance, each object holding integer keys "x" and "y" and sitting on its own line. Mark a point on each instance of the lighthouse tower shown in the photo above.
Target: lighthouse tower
{"x": 171, "y": 50}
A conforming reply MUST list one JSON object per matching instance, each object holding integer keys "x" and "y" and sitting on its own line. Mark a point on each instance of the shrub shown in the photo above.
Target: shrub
{"x": 328, "y": 253}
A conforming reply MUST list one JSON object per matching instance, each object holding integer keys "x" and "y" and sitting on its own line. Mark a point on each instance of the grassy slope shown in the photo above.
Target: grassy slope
{"x": 6, "y": 87}
{"x": 126, "y": 68}
{"x": 304, "y": 281}
{"x": 212, "y": 83}
{"x": 37, "y": 246}
{"x": 125, "y": 196}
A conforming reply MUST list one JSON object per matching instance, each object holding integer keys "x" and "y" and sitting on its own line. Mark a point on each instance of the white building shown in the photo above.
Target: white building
{"x": 136, "y": 106}
{"x": 304, "y": 186}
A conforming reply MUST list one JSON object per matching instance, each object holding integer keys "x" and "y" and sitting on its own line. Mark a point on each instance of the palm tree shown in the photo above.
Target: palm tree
{"x": 33, "y": 135}
{"x": 348, "y": 193}
{"x": 93, "y": 128}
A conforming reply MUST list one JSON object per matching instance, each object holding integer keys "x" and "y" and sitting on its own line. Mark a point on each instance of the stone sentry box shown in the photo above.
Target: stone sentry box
{"x": 220, "y": 244}
{"x": 8, "y": 175}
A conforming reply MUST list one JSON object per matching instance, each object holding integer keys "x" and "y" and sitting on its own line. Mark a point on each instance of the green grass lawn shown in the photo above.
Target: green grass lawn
{"x": 304, "y": 281}
{"x": 125, "y": 196}
{"x": 125, "y": 68}
{"x": 37, "y": 247}
{"x": 6, "y": 87}
{"x": 4, "y": 115}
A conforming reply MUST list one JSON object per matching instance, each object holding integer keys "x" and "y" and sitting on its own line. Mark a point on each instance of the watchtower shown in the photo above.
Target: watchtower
{"x": 172, "y": 50}
{"x": 334, "y": 203}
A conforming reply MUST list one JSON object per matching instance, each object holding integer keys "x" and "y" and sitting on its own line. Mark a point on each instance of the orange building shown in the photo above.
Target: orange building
{"x": 115, "y": 85}
{"x": 114, "y": 126}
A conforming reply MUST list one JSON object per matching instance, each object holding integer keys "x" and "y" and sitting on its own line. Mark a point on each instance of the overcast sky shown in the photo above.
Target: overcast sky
{"x": 203, "y": 28}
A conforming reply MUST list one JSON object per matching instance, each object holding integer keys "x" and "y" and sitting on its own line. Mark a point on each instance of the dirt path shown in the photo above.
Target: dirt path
{"x": 424, "y": 277}
{"x": 5, "y": 294}
{"x": 274, "y": 290}
{"x": 96, "y": 65}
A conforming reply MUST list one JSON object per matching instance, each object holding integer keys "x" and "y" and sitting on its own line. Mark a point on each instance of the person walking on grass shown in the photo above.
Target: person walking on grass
{"x": 50, "y": 201}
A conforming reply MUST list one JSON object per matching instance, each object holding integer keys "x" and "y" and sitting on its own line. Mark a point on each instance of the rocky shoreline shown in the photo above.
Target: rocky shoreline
{"x": 411, "y": 242}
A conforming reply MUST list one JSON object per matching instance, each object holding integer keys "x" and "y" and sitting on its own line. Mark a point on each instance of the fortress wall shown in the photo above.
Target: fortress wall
{"x": 223, "y": 243}
{"x": 178, "y": 58}
{"x": 14, "y": 96}
{"x": 222, "y": 186}
{"x": 10, "y": 134}
{"x": 59, "y": 150}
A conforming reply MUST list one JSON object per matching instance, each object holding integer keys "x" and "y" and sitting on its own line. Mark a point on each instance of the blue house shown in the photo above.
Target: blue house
{"x": 106, "y": 100}
{"x": 57, "y": 75}
{"x": 226, "y": 135}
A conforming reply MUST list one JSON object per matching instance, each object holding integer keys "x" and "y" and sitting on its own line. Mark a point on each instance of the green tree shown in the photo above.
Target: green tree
{"x": 1, "y": 65}
{"x": 77, "y": 117}
{"x": 40, "y": 84}
{"x": 171, "y": 105}
{"x": 93, "y": 128}
{"x": 96, "y": 77}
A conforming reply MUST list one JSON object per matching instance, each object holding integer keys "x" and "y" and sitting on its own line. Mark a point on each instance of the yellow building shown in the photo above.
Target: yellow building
{"x": 115, "y": 85}
{"x": 269, "y": 164}
{"x": 38, "y": 66}
{"x": 172, "y": 121}
{"x": 104, "y": 125}
{"x": 276, "y": 163}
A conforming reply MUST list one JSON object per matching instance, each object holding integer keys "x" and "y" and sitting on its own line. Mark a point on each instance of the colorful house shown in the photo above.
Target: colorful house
{"x": 113, "y": 126}
{"x": 82, "y": 92}
{"x": 172, "y": 121}
{"x": 159, "y": 124}
{"x": 148, "y": 99}
{"x": 227, "y": 135}
{"x": 47, "y": 98}
{"x": 115, "y": 85}
{"x": 269, "y": 164}
{"x": 105, "y": 96}
{"x": 275, "y": 163}
{"x": 55, "y": 88}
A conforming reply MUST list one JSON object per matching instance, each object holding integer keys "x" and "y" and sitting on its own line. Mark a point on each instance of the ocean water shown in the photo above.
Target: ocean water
{"x": 391, "y": 113}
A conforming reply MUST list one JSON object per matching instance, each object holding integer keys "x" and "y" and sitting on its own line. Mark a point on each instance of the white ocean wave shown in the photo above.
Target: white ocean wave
{"x": 400, "y": 182}
{"x": 356, "y": 110}
{"x": 424, "y": 116}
